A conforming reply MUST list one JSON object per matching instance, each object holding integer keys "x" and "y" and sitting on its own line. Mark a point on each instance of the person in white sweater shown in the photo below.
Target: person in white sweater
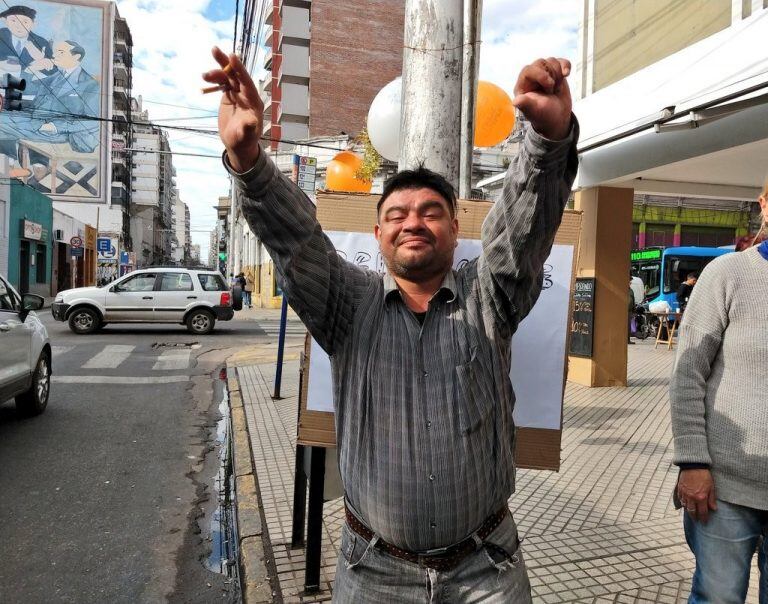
{"x": 719, "y": 406}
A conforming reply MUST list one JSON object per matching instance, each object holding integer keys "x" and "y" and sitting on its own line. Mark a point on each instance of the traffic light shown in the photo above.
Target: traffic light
{"x": 13, "y": 89}
{"x": 222, "y": 256}
{"x": 223, "y": 245}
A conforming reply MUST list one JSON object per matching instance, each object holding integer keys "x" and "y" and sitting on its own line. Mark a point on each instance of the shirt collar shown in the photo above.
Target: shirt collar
{"x": 447, "y": 287}
{"x": 763, "y": 249}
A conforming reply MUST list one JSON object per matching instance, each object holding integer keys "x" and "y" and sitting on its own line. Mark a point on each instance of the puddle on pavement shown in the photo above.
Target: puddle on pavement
{"x": 222, "y": 530}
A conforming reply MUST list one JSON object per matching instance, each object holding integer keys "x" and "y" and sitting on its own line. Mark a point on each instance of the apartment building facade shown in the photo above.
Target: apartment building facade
{"x": 152, "y": 190}
{"x": 621, "y": 40}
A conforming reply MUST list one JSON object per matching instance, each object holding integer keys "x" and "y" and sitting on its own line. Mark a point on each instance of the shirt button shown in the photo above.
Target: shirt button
{"x": 426, "y": 374}
{"x": 429, "y": 425}
{"x": 431, "y": 476}
{"x": 432, "y": 525}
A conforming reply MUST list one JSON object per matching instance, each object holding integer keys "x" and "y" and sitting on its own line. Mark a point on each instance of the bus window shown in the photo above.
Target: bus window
{"x": 677, "y": 268}
{"x": 649, "y": 273}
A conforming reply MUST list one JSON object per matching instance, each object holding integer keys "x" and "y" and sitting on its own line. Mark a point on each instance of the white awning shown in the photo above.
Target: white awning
{"x": 694, "y": 124}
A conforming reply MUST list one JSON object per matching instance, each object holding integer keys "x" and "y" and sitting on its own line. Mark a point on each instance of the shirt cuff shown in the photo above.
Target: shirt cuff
{"x": 693, "y": 466}
{"x": 259, "y": 176}
{"x": 539, "y": 146}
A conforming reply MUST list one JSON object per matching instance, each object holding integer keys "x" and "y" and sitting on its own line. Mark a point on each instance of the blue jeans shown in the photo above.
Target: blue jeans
{"x": 246, "y": 298}
{"x": 494, "y": 573}
{"x": 724, "y": 548}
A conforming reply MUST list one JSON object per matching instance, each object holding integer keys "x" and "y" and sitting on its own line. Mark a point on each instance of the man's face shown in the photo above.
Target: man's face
{"x": 19, "y": 25}
{"x": 63, "y": 57}
{"x": 417, "y": 234}
{"x": 692, "y": 281}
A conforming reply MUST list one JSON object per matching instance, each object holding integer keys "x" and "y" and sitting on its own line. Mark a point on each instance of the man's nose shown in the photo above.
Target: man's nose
{"x": 413, "y": 222}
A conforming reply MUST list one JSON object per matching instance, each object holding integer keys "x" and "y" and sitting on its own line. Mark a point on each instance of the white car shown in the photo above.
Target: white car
{"x": 25, "y": 351}
{"x": 195, "y": 298}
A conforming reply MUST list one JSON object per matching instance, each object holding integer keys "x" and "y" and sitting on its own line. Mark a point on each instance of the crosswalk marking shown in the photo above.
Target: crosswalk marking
{"x": 59, "y": 350}
{"x": 173, "y": 359}
{"x": 272, "y": 327}
{"x": 110, "y": 357}
{"x": 117, "y": 379}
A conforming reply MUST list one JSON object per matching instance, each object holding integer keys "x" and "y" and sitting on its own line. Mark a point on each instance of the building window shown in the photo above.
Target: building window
{"x": 41, "y": 271}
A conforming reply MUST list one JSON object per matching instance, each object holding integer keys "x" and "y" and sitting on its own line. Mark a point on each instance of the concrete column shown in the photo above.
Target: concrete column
{"x": 641, "y": 235}
{"x": 604, "y": 249}
{"x": 677, "y": 235}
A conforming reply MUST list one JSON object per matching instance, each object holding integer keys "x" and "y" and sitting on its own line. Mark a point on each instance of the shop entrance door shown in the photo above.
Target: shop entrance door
{"x": 24, "y": 267}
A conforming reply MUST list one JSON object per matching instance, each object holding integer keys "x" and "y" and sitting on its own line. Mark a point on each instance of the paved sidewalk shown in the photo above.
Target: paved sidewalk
{"x": 603, "y": 529}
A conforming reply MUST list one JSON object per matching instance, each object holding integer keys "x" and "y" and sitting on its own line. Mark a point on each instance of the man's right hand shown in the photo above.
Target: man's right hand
{"x": 241, "y": 112}
{"x": 696, "y": 491}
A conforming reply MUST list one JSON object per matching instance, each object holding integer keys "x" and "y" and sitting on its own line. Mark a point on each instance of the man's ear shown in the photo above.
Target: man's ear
{"x": 377, "y": 232}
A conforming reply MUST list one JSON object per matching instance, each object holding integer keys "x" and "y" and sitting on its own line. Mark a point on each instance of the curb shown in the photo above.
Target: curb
{"x": 254, "y": 546}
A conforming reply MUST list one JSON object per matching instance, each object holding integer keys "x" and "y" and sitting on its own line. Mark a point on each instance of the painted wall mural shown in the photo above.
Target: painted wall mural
{"x": 57, "y": 142}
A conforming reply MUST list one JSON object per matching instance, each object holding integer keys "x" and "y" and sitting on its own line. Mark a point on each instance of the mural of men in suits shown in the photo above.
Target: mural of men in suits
{"x": 23, "y": 52}
{"x": 61, "y": 101}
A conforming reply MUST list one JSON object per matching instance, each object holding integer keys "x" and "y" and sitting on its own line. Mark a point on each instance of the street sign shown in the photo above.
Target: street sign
{"x": 76, "y": 242}
{"x": 304, "y": 173}
{"x": 107, "y": 250}
{"x": 124, "y": 258}
{"x": 77, "y": 252}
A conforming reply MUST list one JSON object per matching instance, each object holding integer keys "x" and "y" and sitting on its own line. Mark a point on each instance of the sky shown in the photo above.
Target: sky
{"x": 171, "y": 49}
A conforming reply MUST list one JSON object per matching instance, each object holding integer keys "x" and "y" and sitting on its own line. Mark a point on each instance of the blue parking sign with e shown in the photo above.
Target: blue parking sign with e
{"x": 104, "y": 244}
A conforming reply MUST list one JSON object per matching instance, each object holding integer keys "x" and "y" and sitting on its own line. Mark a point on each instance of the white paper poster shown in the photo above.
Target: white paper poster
{"x": 538, "y": 347}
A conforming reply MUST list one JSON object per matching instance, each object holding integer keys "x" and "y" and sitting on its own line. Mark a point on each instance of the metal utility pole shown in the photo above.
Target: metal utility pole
{"x": 473, "y": 10}
{"x": 432, "y": 75}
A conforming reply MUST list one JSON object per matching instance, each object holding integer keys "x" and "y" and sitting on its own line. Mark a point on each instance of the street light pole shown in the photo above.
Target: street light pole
{"x": 473, "y": 10}
{"x": 431, "y": 96}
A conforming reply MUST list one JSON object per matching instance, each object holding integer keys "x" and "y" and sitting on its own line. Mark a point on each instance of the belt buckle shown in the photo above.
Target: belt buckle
{"x": 423, "y": 557}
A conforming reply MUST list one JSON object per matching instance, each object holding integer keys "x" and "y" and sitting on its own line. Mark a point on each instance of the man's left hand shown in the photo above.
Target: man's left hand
{"x": 49, "y": 129}
{"x": 543, "y": 96}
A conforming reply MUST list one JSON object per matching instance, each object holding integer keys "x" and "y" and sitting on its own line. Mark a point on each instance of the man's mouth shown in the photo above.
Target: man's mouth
{"x": 415, "y": 242}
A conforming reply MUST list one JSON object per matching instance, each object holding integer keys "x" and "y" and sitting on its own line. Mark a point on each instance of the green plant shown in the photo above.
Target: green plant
{"x": 371, "y": 157}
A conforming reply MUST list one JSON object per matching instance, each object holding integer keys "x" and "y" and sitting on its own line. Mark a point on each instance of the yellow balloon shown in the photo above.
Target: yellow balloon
{"x": 340, "y": 174}
{"x": 494, "y": 115}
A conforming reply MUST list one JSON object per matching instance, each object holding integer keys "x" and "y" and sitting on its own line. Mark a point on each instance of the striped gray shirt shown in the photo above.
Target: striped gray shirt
{"x": 423, "y": 412}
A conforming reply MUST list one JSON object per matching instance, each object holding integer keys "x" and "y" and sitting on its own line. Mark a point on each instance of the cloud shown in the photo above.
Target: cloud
{"x": 516, "y": 32}
{"x": 171, "y": 48}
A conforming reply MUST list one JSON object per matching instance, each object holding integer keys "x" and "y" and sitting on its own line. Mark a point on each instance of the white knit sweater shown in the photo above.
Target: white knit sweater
{"x": 719, "y": 386}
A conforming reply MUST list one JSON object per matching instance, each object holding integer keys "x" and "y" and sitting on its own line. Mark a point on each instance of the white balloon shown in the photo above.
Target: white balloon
{"x": 384, "y": 120}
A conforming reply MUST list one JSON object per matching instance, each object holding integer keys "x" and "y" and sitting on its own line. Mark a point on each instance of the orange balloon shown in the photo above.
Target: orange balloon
{"x": 494, "y": 115}
{"x": 340, "y": 174}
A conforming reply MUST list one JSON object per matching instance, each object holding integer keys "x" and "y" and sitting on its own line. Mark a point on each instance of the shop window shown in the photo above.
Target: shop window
{"x": 704, "y": 236}
{"x": 41, "y": 269}
{"x": 659, "y": 235}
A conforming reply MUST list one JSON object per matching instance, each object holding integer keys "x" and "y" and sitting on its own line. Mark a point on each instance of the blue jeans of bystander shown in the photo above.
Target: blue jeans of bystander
{"x": 724, "y": 548}
{"x": 495, "y": 573}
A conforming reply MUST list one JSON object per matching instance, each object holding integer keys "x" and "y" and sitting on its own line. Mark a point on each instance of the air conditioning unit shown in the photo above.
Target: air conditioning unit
{"x": 58, "y": 235}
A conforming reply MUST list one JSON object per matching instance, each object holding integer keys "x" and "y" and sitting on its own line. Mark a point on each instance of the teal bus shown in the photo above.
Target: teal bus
{"x": 664, "y": 269}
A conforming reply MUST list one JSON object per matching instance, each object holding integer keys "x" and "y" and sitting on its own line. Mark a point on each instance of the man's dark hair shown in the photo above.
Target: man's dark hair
{"x": 420, "y": 178}
{"x": 692, "y": 276}
{"x": 23, "y": 11}
{"x": 76, "y": 49}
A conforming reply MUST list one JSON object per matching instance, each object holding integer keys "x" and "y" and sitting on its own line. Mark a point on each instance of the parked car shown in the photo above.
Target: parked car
{"x": 195, "y": 298}
{"x": 25, "y": 351}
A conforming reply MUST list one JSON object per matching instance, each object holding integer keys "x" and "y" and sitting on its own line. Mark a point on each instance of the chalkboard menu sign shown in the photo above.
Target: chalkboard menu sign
{"x": 582, "y": 317}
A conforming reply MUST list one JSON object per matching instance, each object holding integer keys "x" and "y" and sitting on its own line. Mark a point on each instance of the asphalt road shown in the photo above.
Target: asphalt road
{"x": 106, "y": 496}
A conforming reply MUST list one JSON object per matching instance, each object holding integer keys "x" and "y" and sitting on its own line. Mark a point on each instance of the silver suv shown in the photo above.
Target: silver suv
{"x": 25, "y": 351}
{"x": 195, "y": 298}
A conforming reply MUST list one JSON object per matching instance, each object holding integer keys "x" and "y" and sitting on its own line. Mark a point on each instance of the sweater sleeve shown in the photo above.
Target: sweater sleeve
{"x": 701, "y": 334}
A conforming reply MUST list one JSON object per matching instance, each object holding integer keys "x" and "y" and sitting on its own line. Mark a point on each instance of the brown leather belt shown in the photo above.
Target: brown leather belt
{"x": 442, "y": 559}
